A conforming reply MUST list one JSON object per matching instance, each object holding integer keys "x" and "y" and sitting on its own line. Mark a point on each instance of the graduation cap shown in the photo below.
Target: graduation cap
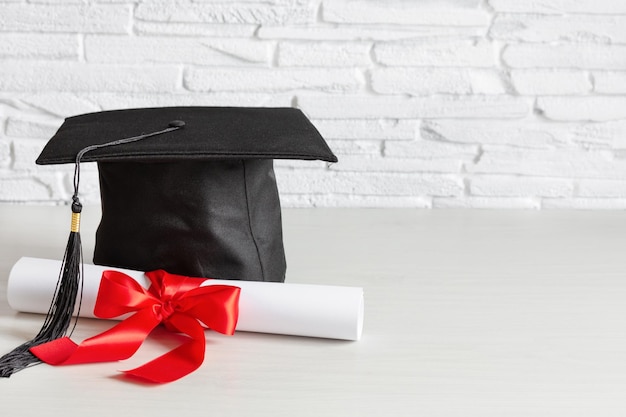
{"x": 190, "y": 190}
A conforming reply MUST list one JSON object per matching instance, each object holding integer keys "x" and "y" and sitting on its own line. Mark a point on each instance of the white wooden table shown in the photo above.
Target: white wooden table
{"x": 468, "y": 313}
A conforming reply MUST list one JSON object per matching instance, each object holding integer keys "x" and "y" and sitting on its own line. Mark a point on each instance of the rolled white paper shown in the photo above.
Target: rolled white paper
{"x": 332, "y": 312}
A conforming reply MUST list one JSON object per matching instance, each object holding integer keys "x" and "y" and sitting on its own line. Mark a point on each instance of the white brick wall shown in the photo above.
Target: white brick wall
{"x": 428, "y": 103}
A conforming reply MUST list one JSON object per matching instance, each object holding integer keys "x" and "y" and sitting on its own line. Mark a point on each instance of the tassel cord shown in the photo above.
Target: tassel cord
{"x": 174, "y": 125}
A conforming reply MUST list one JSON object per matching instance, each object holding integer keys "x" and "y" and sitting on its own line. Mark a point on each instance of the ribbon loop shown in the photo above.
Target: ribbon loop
{"x": 176, "y": 301}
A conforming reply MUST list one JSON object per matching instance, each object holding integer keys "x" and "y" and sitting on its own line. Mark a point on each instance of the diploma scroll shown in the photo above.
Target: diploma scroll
{"x": 265, "y": 307}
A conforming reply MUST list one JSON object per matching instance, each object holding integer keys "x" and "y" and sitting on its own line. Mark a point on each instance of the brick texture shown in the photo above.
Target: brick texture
{"x": 67, "y": 18}
{"x": 79, "y": 77}
{"x": 428, "y": 104}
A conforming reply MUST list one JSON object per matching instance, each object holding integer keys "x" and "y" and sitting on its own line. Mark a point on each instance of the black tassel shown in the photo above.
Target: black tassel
{"x": 59, "y": 315}
{"x": 70, "y": 283}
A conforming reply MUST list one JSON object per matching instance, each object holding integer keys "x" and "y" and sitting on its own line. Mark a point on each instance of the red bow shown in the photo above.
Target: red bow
{"x": 176, "y": 301}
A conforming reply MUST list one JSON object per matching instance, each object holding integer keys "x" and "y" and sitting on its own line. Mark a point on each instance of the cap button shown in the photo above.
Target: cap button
{"x": 177, "y": 123}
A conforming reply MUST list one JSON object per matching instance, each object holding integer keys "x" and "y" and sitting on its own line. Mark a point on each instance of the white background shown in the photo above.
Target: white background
{"x": 448, "y": 103}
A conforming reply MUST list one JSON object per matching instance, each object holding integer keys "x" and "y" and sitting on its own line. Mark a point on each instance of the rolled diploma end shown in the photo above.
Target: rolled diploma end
{"x": 266, "y": 307}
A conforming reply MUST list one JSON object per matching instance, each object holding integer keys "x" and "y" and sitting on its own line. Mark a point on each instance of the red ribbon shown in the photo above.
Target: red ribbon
{"x": 176, "y": 301}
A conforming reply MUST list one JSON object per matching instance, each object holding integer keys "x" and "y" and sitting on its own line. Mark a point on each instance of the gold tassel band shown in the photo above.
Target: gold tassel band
{"x": 75, "y": 223}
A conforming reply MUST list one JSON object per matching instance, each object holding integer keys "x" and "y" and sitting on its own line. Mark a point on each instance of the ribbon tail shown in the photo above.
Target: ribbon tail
{"x": 118, "y": 343}
{"x": 178, "y": 362}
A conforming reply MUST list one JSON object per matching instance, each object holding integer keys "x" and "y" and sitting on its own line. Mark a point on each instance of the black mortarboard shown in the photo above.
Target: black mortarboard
{"x": 200, "y": 201}
{"x": 190, "y": 190}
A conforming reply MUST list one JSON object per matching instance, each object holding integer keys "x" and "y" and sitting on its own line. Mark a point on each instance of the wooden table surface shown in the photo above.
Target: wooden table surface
{"x": 467, "y": 313}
